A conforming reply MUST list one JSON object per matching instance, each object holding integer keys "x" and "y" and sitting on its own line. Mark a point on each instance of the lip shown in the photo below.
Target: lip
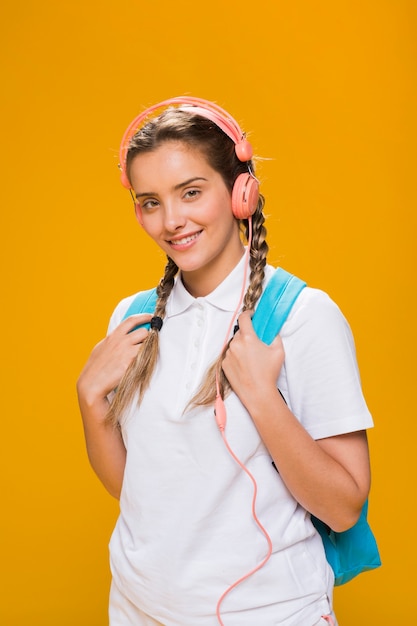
{"x": 185, "y": 241}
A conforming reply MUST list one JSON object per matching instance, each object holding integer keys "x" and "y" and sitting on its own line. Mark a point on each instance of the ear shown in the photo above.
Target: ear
{"x": 138, "y": 213}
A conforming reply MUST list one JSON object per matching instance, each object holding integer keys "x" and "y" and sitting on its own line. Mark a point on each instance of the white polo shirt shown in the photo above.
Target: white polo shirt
{"x": 185, "y": 531}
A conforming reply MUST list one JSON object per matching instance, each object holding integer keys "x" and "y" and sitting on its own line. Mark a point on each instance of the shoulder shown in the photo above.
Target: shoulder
{"x": 316, "y": 306}
{"x": 317, "y": 332}
{"x": 314, "y": 312}
{"x": 121, "y": 310}
{"x": 310, "y": 299}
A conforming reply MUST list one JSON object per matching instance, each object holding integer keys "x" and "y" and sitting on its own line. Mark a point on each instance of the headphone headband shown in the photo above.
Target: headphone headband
{"x": 245, "y": 191}
{"x": 206, "y": 109}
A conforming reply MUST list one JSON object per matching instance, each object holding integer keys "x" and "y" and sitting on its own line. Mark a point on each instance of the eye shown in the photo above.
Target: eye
{"x": 190, "y": 194}
{"x": 148, "y": 204}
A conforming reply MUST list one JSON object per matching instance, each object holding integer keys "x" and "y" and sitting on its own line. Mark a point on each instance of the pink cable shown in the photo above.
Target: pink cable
{"x": 242, "y": 293}
{"x": 262, "y": 529}
{"x": 220, "y": 414}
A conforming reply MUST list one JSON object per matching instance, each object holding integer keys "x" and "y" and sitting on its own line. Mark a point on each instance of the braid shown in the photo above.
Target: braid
{"x": 139, "y": 373}
{"x": 165, "y": 287}
{"x": 258, "y": 253}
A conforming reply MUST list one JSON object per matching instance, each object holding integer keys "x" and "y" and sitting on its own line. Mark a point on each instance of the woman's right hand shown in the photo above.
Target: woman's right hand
{"x": 110, "y": 359}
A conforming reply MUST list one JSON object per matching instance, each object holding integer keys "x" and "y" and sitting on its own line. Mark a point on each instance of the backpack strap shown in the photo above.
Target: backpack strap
{"x": 273, "y": 308}
{"x": 275, "y": 304}
{"x": 143, "y": 302}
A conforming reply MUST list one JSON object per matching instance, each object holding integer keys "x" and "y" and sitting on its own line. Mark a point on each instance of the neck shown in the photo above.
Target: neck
{"x": 202, "y": 282}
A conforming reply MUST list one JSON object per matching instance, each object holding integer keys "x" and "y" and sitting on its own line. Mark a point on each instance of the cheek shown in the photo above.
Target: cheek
{"x": 151, "y": 225}
{"x": 218, "y": 209}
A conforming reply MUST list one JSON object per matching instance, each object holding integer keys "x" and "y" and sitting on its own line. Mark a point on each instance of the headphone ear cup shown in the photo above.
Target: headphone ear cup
{"x": 245, "y": 196}
{"x": 244, "y": 150}
{"x": 124, "y": 180}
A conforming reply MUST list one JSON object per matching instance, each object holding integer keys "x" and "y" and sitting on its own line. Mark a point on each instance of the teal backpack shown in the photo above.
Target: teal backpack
{"x": 350, "y": 552}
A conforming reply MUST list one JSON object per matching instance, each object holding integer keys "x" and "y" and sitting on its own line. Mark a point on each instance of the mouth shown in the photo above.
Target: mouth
{"x": 184, "y": 241}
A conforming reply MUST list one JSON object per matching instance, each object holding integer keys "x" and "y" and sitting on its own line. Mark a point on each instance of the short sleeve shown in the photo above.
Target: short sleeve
{"x": 320, "y": 379}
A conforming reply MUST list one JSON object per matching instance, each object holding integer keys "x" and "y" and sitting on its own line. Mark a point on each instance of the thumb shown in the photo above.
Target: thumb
{"x": 245, "y": 321}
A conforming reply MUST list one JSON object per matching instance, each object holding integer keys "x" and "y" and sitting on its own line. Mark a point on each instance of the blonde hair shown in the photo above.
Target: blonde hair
{"x": 218, "y": 149}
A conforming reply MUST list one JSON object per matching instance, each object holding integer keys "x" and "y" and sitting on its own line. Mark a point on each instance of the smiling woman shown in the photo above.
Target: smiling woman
{"x": 296, "y": 415}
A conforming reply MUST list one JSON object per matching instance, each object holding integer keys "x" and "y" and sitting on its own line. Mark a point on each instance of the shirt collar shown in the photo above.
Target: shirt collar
{"x": 224, "y": 297}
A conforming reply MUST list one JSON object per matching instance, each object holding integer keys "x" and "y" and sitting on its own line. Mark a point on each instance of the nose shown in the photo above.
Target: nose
{"x": 174, "y": 216}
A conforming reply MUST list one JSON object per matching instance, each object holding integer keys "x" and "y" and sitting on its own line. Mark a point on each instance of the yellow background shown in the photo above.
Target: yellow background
{"x": 328, "y": 92}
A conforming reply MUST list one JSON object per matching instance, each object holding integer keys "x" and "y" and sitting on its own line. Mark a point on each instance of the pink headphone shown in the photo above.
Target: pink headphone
{"x": 245, "y": 192}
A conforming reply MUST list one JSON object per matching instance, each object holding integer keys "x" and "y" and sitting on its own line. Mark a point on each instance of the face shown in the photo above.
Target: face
{"x": 185, "y": 206}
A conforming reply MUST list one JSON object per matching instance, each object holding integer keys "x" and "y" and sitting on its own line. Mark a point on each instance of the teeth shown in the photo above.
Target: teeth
{"x": 180, "y": 242}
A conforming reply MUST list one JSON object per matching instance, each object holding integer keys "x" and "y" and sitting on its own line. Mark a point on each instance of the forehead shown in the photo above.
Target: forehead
{"x": 170, "y": 160}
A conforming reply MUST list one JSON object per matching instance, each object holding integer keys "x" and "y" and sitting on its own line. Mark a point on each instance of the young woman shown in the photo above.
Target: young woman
{"x": 184, "y": 419}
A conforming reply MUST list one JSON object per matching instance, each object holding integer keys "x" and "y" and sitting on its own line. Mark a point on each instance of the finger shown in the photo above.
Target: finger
{"x": 134, "y": 321}
{"x": 137, "y": 335}
{"x": 245, "y": 322}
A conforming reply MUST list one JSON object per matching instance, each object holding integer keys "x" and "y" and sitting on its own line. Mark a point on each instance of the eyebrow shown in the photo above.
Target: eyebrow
{"x": 179, "y": 186}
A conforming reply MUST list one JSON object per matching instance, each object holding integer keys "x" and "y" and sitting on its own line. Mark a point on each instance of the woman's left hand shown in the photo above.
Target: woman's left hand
{"x": 251, "y": 366}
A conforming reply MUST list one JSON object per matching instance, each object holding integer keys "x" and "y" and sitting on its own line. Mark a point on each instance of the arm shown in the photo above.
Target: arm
{"x": 102, "y": 373}
{"x": 329, "y": 477}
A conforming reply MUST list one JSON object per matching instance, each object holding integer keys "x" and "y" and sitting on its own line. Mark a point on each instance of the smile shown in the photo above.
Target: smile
{"x": 185, "y": 240}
